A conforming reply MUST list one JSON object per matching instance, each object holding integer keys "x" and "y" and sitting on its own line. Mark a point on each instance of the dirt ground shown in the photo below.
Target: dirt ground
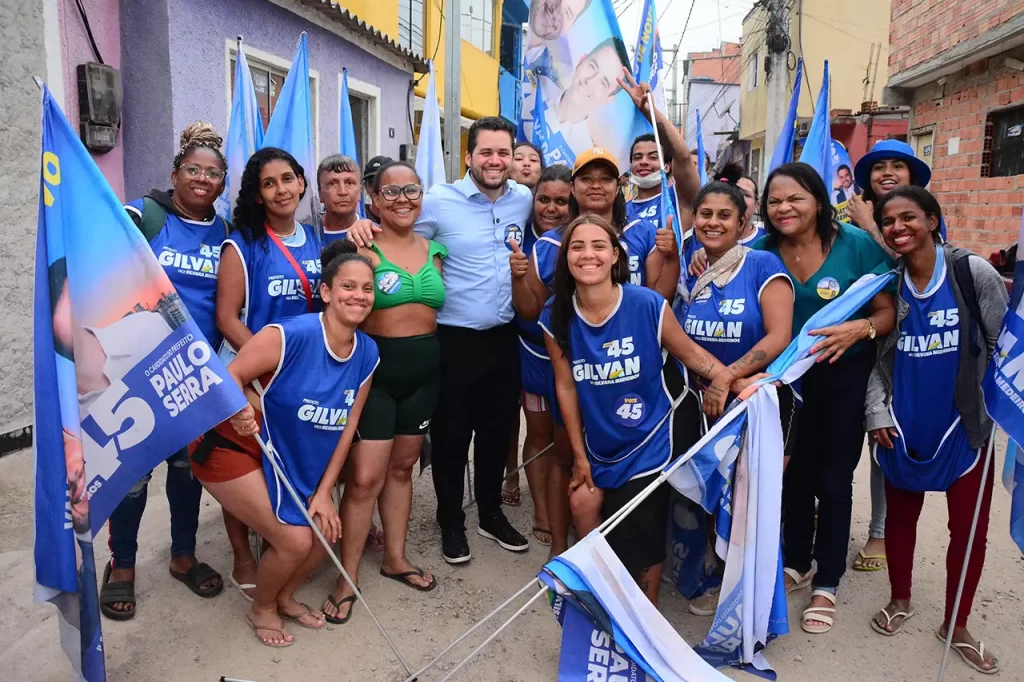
{"x": 177, "y": 636}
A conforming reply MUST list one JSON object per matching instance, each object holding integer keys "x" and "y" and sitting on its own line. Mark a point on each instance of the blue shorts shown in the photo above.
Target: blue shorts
{"x": 537, "y": 376}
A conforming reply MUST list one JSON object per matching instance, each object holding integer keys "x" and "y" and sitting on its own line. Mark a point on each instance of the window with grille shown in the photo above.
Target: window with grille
{"x": 267, "y": 81}
{"x": 478, "y": 24}
{"x": 410, "y": 25}
{"x": 1002, "y": 153}
{"x": 752, "y": 68}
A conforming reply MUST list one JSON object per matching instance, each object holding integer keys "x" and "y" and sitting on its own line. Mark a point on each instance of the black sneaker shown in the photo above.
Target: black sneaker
{"x": 455, "y": 547}
{"x": 498, "y": 528}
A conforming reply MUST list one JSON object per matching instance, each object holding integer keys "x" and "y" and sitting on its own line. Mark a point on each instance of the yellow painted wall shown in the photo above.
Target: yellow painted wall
{"x": 381, "y": 14}
{"x": 821, "y": 29}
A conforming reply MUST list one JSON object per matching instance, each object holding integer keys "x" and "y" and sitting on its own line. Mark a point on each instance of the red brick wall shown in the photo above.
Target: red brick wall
{"x": 981, "y": 213}
{"x": 921, "y": 29}
{"x": 722, "y": 65}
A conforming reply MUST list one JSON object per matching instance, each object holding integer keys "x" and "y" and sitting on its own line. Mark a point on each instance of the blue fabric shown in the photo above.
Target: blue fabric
{"x": 545, "y": 255}
{"x": 245, "y": 134}
{"x": 623, "y": 401}
{"x": 329, "y": 237}
{"x": 920, "y": 173}
{"x": 638, "y": 239}
{"x": 275, "y": 291}
{"x": 817, "y": 149}
{"x": 306, "y": 407}
{"x": 189, "y": 251}
{"x": 650, "y": 209}
{"x": 727, "y": 321}
{"x": 783, "y": 152}
{"x": 476, "y": 231}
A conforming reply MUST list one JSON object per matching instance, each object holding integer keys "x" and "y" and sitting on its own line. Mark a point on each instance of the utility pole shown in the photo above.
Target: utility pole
{"x": 453, "y": 90}
{"x": 777, "y": 74}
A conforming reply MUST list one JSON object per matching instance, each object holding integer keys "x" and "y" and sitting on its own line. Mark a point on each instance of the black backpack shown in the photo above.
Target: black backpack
{"x": 965, "y": 281}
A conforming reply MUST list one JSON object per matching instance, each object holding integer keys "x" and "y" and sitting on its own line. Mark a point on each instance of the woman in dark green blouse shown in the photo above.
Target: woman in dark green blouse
{"x": 823, "y": 258}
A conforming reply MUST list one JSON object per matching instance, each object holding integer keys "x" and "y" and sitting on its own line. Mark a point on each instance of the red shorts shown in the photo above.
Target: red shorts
{"x": 232, "y": 457}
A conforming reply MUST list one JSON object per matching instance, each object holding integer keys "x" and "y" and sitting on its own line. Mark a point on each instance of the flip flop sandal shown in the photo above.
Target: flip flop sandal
{"x": 404, "y": 579}
{"x": 862, "y": 557}
{"x": 958, "y": 648}
{"x": 242, "y": 587}
{"x": 906, "y": 615}
{"x": 196, "y": 576}
{"x": 334, "y": 620}
{"x": 799, "y": 581}
{"x": 294, "y": 618}
{"x": 821, "y": 614}
{"x": 119, "y": 592}
{"x": 511, "y": 498}
{"x": 256, "y": 631}
{"x": 541, "y": 541}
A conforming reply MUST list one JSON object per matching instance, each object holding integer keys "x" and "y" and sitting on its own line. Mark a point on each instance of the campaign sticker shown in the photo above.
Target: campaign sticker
{"x": 389, "y": 283}
{"x": 513, "y": 232}
{"x": 703, "y": 296}
{"x": 629, "y": 409}
{"x": 828, "y": 288}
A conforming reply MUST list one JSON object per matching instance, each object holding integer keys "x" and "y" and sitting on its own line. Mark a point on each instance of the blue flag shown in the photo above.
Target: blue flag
{"x": 817, "y": 149}
{"x": 291, "y": 124}
{"x": 702, "y": 165}
{"x": 783, "y": 152}
{"x": 429, "y": 154}
{"x": 647, "y": 58}
{"x": 668, "y": 208}
{"x": 1003, "y": 387}
{"x": 245, "y": 134}
{"x": 347, "y": 130}
{"x": 123, "y": 377}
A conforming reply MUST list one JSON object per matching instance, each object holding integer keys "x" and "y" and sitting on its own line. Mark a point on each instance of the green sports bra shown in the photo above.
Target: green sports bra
{"x": 395, "y": 286}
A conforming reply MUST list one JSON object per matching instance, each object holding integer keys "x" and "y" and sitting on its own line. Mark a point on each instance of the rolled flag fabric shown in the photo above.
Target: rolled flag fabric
{"x": 291, "y": 126}
{"x": 123, "y": 377}
{"x": 1003, "y": 387}
{"x": 702, "y": 159}
{"x": 347, "y": 131}
{"x": 817, "y": 149}
{"x": 783, "y": 152}
{"x": 429, "y": 155}
{"x": 647, "y": 56}
{"x": 245, "y": 134}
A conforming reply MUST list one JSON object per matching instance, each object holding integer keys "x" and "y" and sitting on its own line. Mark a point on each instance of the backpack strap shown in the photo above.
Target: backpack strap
{"x": 153, "y": 217}
{"x": 965, "y": 281}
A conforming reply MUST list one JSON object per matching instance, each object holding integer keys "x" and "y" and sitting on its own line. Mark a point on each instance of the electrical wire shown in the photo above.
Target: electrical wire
{"x": 836, "y": 28}
{"x": 88, "y": 31}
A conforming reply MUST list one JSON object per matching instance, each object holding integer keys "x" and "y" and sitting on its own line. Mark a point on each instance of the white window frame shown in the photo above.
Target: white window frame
{"x": 253, "y": 54}
{"x": 371, "y": 94}
{"x": 752, "y": 70}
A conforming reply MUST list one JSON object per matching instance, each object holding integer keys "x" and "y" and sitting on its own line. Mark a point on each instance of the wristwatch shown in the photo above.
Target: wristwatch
{"x": 871, "y": 330}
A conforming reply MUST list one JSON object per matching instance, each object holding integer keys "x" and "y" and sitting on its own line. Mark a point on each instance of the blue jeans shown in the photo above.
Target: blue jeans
{"x": 183, "y": 495}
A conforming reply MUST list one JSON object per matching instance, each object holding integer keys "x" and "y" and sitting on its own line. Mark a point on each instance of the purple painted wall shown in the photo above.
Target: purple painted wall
{"x": 75, "y": 50}
{"x": 176, "y": 73}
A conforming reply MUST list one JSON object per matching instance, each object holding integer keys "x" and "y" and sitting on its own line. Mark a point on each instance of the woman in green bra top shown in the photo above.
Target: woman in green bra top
{"x": 407, "y": 293}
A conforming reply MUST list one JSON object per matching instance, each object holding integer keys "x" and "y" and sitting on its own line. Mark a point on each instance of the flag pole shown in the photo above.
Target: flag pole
{"x": 661, "y": 164}
{"x": 330, "y": 552}
{"x": 967, "y": 554}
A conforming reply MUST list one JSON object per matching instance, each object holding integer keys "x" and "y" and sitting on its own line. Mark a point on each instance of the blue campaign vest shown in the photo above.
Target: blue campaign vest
{"x": 727, "y": 321}
{"x": 638, "y": 239}
{"x": 306, "y": 407}
{"x": 545, "y": 255}
{"x": 189, "y": 251}
{"x": 624, "y": 403}
{"x": 932, "y": 450}
{"x": 759, "y": 231}
{"x": 334, "y": 236}
{"x": 274, "y": 290}
{"x": 649, "y": 209}
{"x": 534, "y": 363}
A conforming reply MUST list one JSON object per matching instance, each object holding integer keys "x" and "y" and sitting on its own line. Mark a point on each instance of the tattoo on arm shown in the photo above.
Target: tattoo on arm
{"x": 705, "y": 366}
{"x": 753, "y": 357}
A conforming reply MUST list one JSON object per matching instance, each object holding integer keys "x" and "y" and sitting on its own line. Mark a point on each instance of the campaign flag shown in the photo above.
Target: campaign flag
{"x": 647, "y": 57}
{"x": 123, "y": 378}
{"x": 291, "y": 125}
{"x": 347, "y": 130}
{"x": 817, "y": 149}
{"x": 610, "y": 629}
{"x": 565, "y": 54}
{"x": 783, "y": 152}
{"x": 1003, "y": 387}
{"x": 668, "y": 203}
{"x": 429, "y": 154}
{"x": 841, "y": 186}
{"x": 245, "y": 134}
{"x": 702, "y": 164}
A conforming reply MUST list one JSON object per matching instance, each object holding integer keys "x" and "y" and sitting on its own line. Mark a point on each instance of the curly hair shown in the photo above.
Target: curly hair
{"x": 808, "y": 178}
{"x": 249, "y": 216}
{"x": 564, "y": 285}
{"x": 199, "y": 135}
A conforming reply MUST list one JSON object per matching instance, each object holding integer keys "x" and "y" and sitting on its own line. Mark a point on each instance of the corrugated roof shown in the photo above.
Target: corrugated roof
{"x": 336, "y": 12}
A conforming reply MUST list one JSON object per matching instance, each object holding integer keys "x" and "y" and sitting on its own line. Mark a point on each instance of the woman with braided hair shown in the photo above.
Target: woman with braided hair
{"x": 185, "y": 234}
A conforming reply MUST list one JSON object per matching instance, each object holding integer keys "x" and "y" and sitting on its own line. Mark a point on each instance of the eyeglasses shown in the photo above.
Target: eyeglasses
{"x": 193, "y": 171}
{"x": 412, "y": 192}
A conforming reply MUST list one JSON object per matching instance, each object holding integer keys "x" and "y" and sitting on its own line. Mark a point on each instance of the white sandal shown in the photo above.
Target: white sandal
{"x": 958, "y": 647}
{"x": 906, "y": 615}
{"x": 819, "y": 613}
{"x": 242, "y": 587}
{"x": 799, "y": 581}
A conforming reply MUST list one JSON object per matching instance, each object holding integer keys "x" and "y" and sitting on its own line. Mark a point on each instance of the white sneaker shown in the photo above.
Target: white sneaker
{"x": 706, "y": 604}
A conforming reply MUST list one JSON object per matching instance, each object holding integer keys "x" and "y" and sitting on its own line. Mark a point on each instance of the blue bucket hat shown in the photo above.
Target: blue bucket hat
{"x": 920, "y": 173}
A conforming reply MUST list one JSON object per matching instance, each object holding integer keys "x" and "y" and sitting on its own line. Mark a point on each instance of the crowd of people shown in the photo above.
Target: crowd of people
{"x": 541, "y": 291}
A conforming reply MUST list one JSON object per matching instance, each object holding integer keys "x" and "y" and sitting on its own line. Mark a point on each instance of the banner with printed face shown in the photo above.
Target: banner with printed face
{"x": 571, "y": 98}
{"x": 843, "y": 186}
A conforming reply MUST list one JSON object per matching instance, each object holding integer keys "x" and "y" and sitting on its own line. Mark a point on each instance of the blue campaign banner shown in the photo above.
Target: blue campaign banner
{"x": 245, "y": 133}
{"x": 347, "y": 130}
{"x": 429, "y": 153}
{"x": 589, "y": 653}
{"x": 783, "y": 152}
{"x": 817, "y": 149}
{"x": 573, "y": 58}
{"x": 702, "y": 159}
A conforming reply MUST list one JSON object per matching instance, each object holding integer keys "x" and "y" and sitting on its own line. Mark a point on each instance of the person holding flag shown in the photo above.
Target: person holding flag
{"x": 925, "y": 409}
{"x": 824, "y": 258}
{"x": 270, "y": 270}
{"x": 605, "y": 338}
{"x": 185, "y": 233}
{"x": 315, "y": 371}
{"x": 338, "y": 180}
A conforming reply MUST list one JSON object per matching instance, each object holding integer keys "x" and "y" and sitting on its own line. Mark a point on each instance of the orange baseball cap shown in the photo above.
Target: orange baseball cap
{"x": 595, "y": 154}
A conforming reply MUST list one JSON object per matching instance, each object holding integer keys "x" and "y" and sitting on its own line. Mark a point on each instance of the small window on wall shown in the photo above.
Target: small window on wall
{"x": 1003, "y": 150}
{"x": 410, "y": 25}
{"x": 268, "y": 81}
{"x": 752, "y": 67}
{"x": 478, "y": 24}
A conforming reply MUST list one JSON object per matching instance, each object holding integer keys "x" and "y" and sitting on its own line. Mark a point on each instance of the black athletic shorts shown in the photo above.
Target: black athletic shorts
{"x": 405, "y": 387}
